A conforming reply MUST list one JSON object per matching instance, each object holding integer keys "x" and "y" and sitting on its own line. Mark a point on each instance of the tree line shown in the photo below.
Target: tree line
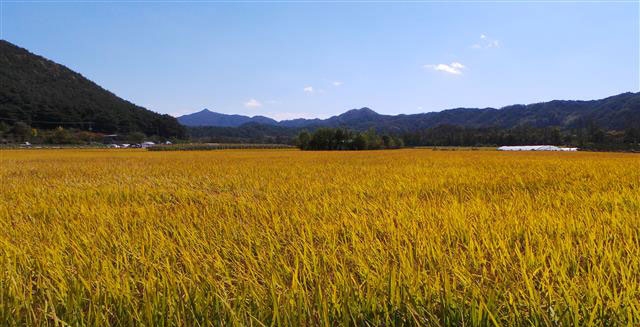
{"x": 344, "y": 139}
{"x": 587, "y": 136}
{"x": 21, "y": 132}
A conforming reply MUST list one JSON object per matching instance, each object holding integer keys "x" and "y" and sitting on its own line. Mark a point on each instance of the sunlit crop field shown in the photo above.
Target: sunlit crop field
{"x": 283, "y": 237}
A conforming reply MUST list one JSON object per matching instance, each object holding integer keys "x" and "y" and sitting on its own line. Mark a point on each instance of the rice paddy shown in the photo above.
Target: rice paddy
{"x": 287, "y": 237}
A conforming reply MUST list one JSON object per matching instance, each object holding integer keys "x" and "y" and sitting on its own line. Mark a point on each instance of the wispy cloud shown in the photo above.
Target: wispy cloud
{"x": 253, "y": 103}
{"x": 308, "y": 89}
{"x": 486, "y": 43}
{"x": 291, "y": 115}
{"x": 337, "y": 83}
{"x": 454, "y": 68}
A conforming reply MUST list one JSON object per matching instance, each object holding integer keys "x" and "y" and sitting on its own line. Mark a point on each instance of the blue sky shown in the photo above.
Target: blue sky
{"x": 288, "y": 60}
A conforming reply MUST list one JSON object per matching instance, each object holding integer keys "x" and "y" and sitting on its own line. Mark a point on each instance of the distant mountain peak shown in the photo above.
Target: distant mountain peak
{"x": 357, "y": 115}
{"x": 361, "y": 111}
{"x": 207, "y": 117}
{"x": 367, "y": 110}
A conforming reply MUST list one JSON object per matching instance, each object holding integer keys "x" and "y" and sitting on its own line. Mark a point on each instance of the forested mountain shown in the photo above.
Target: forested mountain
{"x": 210, "y": 118}
{"x": 611, "y": 123}
{"x": 613, "y": 113}
{"x": 44, "y": 94}
{"x": 359, "y": 119}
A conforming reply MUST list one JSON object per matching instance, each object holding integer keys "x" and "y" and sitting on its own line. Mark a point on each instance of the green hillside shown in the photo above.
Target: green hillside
{"x": 44, "y": 94}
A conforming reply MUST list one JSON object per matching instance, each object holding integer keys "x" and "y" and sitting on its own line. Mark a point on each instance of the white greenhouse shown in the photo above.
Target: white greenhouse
{"x": 535, "y": 148}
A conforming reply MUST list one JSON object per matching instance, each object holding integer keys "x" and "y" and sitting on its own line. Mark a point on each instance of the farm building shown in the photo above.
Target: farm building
{"x": 535, "y": 148}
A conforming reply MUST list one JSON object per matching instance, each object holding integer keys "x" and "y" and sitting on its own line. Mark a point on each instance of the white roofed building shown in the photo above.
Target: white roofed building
{"x": 535, "y": 148}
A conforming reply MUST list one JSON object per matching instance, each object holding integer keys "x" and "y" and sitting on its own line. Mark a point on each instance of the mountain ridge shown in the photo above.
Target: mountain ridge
{"x": 206, "y": 117}
{"x": 612, "y": 113}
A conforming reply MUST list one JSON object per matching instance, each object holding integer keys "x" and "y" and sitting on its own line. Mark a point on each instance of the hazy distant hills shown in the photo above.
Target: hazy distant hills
{"x": 45, "y": 94}
{"x": 210, "y": 118}
{"x": 613, "y": 113}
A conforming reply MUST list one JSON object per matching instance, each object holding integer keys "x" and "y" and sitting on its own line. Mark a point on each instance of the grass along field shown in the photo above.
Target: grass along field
{"x": 263, "y": 237}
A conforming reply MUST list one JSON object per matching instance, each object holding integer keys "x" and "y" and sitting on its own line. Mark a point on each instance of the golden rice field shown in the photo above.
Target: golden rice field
{"x": 283, "y": 237}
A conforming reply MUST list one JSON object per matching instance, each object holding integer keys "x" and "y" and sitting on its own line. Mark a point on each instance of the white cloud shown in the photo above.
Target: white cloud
{"x": 253, "y": 103}
{"x": 308, "y": 89}
{"x": 291, "y": 115}
{"x": 337, "y": 83}
{"x": 486, "y": 42}
{"x": 420, "y": 108}
{"x": 454, "y": 68}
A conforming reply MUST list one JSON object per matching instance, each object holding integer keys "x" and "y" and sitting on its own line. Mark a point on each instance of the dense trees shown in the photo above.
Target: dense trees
{"x": 45, "y": 95}
{"x": 247, "y": 133}
{"x": 21, "y": 132}
{"x": 343, "y": 139}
